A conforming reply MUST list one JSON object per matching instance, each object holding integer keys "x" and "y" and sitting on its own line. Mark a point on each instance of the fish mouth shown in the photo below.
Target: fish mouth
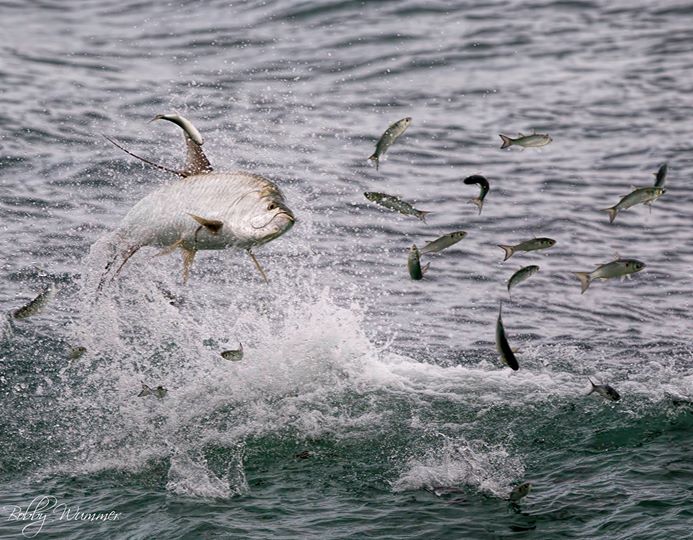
{"x": 282, "y": 212}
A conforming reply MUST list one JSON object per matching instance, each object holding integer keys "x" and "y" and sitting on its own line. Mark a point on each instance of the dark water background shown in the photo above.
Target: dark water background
{"x": 392, "y": 386}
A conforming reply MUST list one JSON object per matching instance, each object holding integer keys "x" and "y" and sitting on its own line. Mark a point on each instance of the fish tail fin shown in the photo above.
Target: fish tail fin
{"x": 375, "y": 160}
{"x": 509, "y": 251}
{"x": 585, "y": 280}
{"x": 612, "y": 213}
{"x": 507, "y": 141}
{"x": 478, "y": 203}
{"x": 422, "y": 215}
{"x": 594, "y": 386}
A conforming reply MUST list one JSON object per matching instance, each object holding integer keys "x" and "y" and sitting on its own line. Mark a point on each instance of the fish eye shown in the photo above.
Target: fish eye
{"x": 271, "y": 206}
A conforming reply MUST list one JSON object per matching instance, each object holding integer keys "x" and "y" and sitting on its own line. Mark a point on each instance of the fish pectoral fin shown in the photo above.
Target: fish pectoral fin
{"x": 188, "y": 258}
{"x": 170, "y": 249}
{"x": 196, "y": 161}
{"x": 257, "y": 265}
{"x": 212, "y": 225}
{"x": 425, "y": 268}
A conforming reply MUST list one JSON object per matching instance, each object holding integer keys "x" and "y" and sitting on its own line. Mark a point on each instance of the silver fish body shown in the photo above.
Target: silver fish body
{"x": 445, "y": 241}
{"x": 388, "y": 138}
{"x": 528, "y": 245}
{"x": 502, "y": 345}
{"x": 617, "y": 268}
{"x": 645, "y": 195}
{"x": 252, "y": 211}
{"x": 416, "y": 271}
{"x": 521, "y": 275}
{"x": 534, "y": 140}
{"x": 203, "y": 212}
{"x": 37, "y": 304}
{"x": 604, "y": 390}
{"x": 235, "y": 355}
{"x": 396, "y": 204}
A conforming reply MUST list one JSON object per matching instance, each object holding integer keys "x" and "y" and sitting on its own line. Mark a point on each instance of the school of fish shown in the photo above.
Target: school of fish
{"x": 206, "y": 210}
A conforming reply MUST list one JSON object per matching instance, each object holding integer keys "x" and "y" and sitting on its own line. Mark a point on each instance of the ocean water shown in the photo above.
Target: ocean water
{"x": 367, "y": 405}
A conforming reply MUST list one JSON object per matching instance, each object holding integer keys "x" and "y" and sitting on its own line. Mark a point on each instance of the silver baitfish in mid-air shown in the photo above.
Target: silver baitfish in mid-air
{"x": 519, "y": 492}
{"x": 388, "y": 138}
{"x": 661, "y": 175}
{"x": 604, "y": 390}
{"x": 416, "y": 271}
{"x": 521, "y": 275}
{"x": 76, "y": 352}
{"x": 204, "y": 210}
{"x": 235, "y": 355}
{"x": 159, "y": 391}
{"x": 645, "y": 195}
{"x": 445, "y": 241}
{"x": 37, "y": 304}
{"x": 393, "y": 203}
{"x": 619, "y": 268}
{"x": 528, "y": 245}
{"x": 507, "y": 354}
{"x": 483, "y": 187}
{"x": 534, "y": 140}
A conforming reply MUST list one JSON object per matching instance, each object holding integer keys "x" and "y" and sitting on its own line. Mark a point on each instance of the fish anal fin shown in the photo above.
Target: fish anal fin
{"x": 170, "y": 249}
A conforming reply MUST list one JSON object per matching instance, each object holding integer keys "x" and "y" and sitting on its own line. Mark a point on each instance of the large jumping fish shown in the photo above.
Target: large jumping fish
{"x": 203, "y": 210}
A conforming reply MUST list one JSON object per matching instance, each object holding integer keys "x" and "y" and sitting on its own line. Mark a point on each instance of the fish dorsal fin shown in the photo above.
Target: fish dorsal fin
{"x": 520, "y": 134}
{"x": 196, "y": 161}
{"x": 213, "y": 225}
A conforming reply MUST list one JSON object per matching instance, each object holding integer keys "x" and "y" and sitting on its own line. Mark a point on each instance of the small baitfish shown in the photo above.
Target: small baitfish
{"x": 507, "y": 354}
{"x": 604, "y": 390}
{"x": 394, "y": 203}
{"x": 534, "y": 140}
{"x": 388, "y": 138}
{"x": 37, "y": 304}
{"x": 414, "y": 264}
{"x": 235, "y": 355}
{"x": 618, "y": 268}
{"x": 520, "y": 491}
{"x": 645, "y": 195}
{"x": 528, "y": 245}
{"x": 159, "y": 391}
{"x": 443, "y": 242}
{"x": 521, "y": 275}
{"x": 76, "y": 353}
{"x": 483, "y": 189}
